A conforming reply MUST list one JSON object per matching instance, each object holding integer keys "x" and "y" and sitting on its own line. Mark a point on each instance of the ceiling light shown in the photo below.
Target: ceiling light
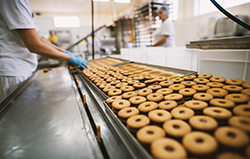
{"x": 101, "y": 0}
{"x": 122, "y": 1}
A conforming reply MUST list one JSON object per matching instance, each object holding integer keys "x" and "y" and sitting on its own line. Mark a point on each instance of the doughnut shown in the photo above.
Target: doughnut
{"x": 178, "y": 80}
{"x": 200, "y": 88}
{"x": 201, "y": 80}
{"x": 104, "y": 85}
{"x": 246, "y": 85}
{"x": 125, "y": 113}
{"x": 136, "y": 122}
{"x": 120, "y": 104}
{"x": 224, "y": 103}
{"x": 238, "y": 98}
{"x": 229, "y": 155}
{"x": 147, "y": 107}
{"x": 205, "y": 75}
{"x": 127, "y": 88}
{"x": 241, "y": 122}
{"x": 145, "y": 92}
{"x": 203, "y": 97}
{"x": 164, "y": 91}
{"x": 187, "y": 91}
{"x": 199, "y": 143}
{"x": 110, "y": 100}
{"x": 217, "y": 92}
{"x": 139, "y": 85}
{"x": 196, "y": 104}
{"x": 155, "y": 97}
{"x": 183, "y": 113}
{"x": 189, "y": 77}
{"x": 128, "y": 95}
{"x": 202, "y": 122}
{"x": 242, "y": 110}
{"x": 165, "y": 84}
{"x": 149, "y": 77}
{"x": 119, "y": 85}
{"x": 135, "y": 101}
{"x": 159, "y": 116}
{"x": 139, "y": 78}
{"x": 176, "y": 128}
{"x": 113, "y": 83}
{"x": 154, "y": 87}
{"x": 215, "y": 84}
{"x": 131, "y": 82}
{"x": 217, "y": 79}
{"x": 161, "y": 78}
{"x": 246, "y": 91}
{"x": 108, "y": 88}
{"x": 217, "y": 112}
{"x": 167, "y": 105}
{"x": 234, "y": 81}
{"x": 176, "y": 87}
{"x": 174, "y": 96}
{"x": 114, "y": 92}
{"x": 188, "y": 83}
{"x": 231, "y": 137}
{"x": 149, "y": 133}
{"x": 148, "y": 82}
{"x": 167, "y": 148}
{"x": 233, "y": 88}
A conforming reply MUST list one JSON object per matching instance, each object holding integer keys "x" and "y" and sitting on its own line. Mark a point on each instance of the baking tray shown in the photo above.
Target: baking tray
{"x": 163, "y": 68}
{"x": 127, "y": 140}
{"x": 108, "y": 57}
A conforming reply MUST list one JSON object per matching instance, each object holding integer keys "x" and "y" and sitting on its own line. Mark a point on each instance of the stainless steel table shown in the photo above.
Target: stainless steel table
{"x": 46, "y": 120}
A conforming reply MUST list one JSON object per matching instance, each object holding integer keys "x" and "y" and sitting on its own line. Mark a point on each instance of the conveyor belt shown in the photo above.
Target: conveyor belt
{"x": 47, "y": 120}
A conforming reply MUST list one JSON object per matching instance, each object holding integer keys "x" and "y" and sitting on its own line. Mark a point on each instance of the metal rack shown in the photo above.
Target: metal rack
{"x": 144, "y": 18}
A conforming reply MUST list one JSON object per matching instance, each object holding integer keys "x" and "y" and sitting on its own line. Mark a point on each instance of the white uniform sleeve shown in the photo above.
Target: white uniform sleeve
{"x": 17, "y": 14}
{"x": 167, "y": 29}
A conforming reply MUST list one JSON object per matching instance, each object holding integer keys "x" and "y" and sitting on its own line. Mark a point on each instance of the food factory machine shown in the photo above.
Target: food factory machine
{"x": 60, "y": 113}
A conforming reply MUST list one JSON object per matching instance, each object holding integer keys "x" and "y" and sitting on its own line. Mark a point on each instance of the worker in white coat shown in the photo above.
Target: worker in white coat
{"x": 164, "y": 35}
{"x": 19, "y": 44}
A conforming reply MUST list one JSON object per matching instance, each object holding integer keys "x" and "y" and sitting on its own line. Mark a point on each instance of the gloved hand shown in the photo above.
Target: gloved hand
{"x": 77, "y": 60}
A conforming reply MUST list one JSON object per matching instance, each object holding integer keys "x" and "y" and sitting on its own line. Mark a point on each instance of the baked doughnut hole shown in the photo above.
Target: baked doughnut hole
{"x": 137, "y": 120}
{"x": 203, "y": 121}
{"x": 169, "y": 148}
{"x": 216, "y": 91}
{"x": 150, "y": 132}
{"x": 222, "y": 102}
{"x": 217, "y": 111}
{"x": 159, "y": 114}
{"x": 244, "y": 122}
{"x": 121, "y": 103}
{"x": 129, "y": 111}
{"x": 199, "y": 140}
{"x": 181, "y": 112}
{"x": 147, "y": 105}
{"x": 247, "y": 110}
{"x": 176, "y": 126}
{"x": 231, "y": 135}
{"x": 196, "y": 103}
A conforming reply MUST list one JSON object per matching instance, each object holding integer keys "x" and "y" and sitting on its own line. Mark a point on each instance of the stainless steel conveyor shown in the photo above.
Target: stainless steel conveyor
{"x": 46, "y": 119}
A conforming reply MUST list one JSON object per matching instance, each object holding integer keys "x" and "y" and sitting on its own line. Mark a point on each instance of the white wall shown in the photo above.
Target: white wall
{"x": 190, "y": 27}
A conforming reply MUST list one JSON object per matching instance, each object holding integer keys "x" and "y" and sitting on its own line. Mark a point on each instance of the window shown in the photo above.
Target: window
{"x": 66, "y": 22}
{"x": 206, "y": 6}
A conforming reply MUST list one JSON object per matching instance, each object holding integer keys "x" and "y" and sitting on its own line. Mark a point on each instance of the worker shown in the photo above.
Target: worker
{"x": 164, "y": 35}
{"x": 19, "y": 44}
{"x": 53, "y": 38}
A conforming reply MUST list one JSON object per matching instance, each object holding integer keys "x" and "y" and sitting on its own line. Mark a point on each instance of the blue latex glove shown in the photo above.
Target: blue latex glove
{"x": 77, "y": 60}
{"x": 148, "y": 45}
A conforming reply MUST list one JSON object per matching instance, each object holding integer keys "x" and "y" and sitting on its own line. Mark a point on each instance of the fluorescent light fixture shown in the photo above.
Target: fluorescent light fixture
{"x": 66, "y": 22}
{"x": 122, "y": 1}
{"x": 101, "y": 0}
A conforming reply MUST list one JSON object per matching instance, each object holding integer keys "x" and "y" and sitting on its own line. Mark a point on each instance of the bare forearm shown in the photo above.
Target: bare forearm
{"x": 34, "y": 43}
{"x": 48, "y": 51}
{"x": 55, "y": 47}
